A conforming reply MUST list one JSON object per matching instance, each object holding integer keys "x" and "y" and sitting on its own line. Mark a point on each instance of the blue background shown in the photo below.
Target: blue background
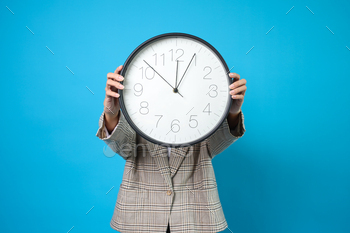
{"x": 289, "y": 173}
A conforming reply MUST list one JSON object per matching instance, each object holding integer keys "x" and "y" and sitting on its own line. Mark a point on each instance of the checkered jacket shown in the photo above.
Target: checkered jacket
{"x": 156, "y": 190}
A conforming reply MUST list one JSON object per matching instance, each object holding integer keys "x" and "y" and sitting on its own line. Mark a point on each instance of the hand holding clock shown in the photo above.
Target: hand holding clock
{"x": 238, "y": 89}
{"x": 111, "y": 103}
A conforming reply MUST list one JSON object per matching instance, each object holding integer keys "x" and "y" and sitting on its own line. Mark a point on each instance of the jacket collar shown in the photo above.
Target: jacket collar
{"x": 167, "y": 167}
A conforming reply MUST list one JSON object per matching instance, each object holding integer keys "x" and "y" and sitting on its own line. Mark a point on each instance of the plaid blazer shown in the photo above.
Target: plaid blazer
{"x": 156, "y": 190}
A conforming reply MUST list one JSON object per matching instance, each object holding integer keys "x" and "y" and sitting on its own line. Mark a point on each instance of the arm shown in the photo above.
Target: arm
{"x": 233, "y": 126}
{"x": 113, "y": 129}
{"x": 111, "y": 122}
{"x": 121, "y": 140}
{"x": 233, "y": 120}
{"x": 225, "y": 136}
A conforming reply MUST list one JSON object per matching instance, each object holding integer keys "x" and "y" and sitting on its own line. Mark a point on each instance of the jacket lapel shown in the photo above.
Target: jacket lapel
{"x": 176, "y": 157}
{"x": 167, "y": 166}
{"x": 160, "y": 156}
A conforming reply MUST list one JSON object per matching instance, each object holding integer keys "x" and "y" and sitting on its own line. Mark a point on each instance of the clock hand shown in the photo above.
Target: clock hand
{"x": 185, "y": 71}
{"x": 177, "y": 65}
{"x": 175, "y": 90}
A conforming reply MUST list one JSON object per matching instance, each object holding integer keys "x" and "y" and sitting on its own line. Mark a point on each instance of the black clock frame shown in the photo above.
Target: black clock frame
{"x": 121, "y": 99}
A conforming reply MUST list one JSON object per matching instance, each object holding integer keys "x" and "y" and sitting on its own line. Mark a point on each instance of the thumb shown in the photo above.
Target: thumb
{"x": 117, "y": 71}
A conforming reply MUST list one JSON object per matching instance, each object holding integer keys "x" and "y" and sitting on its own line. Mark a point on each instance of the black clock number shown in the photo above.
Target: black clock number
{"x": 194, "y": 122}
{"x": 138, "y": 88}
{"x": 207, "y": 109}
{"x": 144, "y": 108}
{"x": 207, "y": 68}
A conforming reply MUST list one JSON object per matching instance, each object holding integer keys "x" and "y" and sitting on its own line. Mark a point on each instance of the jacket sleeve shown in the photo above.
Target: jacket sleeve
{"x": 122, "y": 140}
{"x": 224, "y": 137}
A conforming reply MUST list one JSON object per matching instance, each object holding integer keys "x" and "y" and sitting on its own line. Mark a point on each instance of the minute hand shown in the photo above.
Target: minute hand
{"x": 185, "y": 71}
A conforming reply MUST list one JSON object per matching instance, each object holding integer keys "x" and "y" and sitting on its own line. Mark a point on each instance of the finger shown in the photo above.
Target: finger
{"x": 238, "y": 90}
{"x": 115, "y": 84}
{"x": 238, "y": 83}
{"x": 115, "y": 76}
{"x": 240, "y": 97}
{"x": 112, "y": 93}
{"x": 235, "y": 76}
{"x": 117, "y": 71}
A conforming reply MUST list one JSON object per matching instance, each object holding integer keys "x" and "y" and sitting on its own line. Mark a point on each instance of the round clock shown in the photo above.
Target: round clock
{"x": 176, "y": 90}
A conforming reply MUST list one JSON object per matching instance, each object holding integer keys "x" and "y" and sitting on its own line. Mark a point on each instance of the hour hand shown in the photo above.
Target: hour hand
{"x": 177, "y": 65}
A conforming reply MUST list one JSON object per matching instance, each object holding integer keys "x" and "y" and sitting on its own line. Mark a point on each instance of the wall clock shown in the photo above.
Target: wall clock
{"x": 176, "y": 90}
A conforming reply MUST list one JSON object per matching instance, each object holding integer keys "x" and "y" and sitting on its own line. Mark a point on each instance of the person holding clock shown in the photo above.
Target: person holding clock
{"x": 177, "y": 108}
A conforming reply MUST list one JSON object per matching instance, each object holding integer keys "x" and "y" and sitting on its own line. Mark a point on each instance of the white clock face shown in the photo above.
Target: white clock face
{"x": 176, "y": 90}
